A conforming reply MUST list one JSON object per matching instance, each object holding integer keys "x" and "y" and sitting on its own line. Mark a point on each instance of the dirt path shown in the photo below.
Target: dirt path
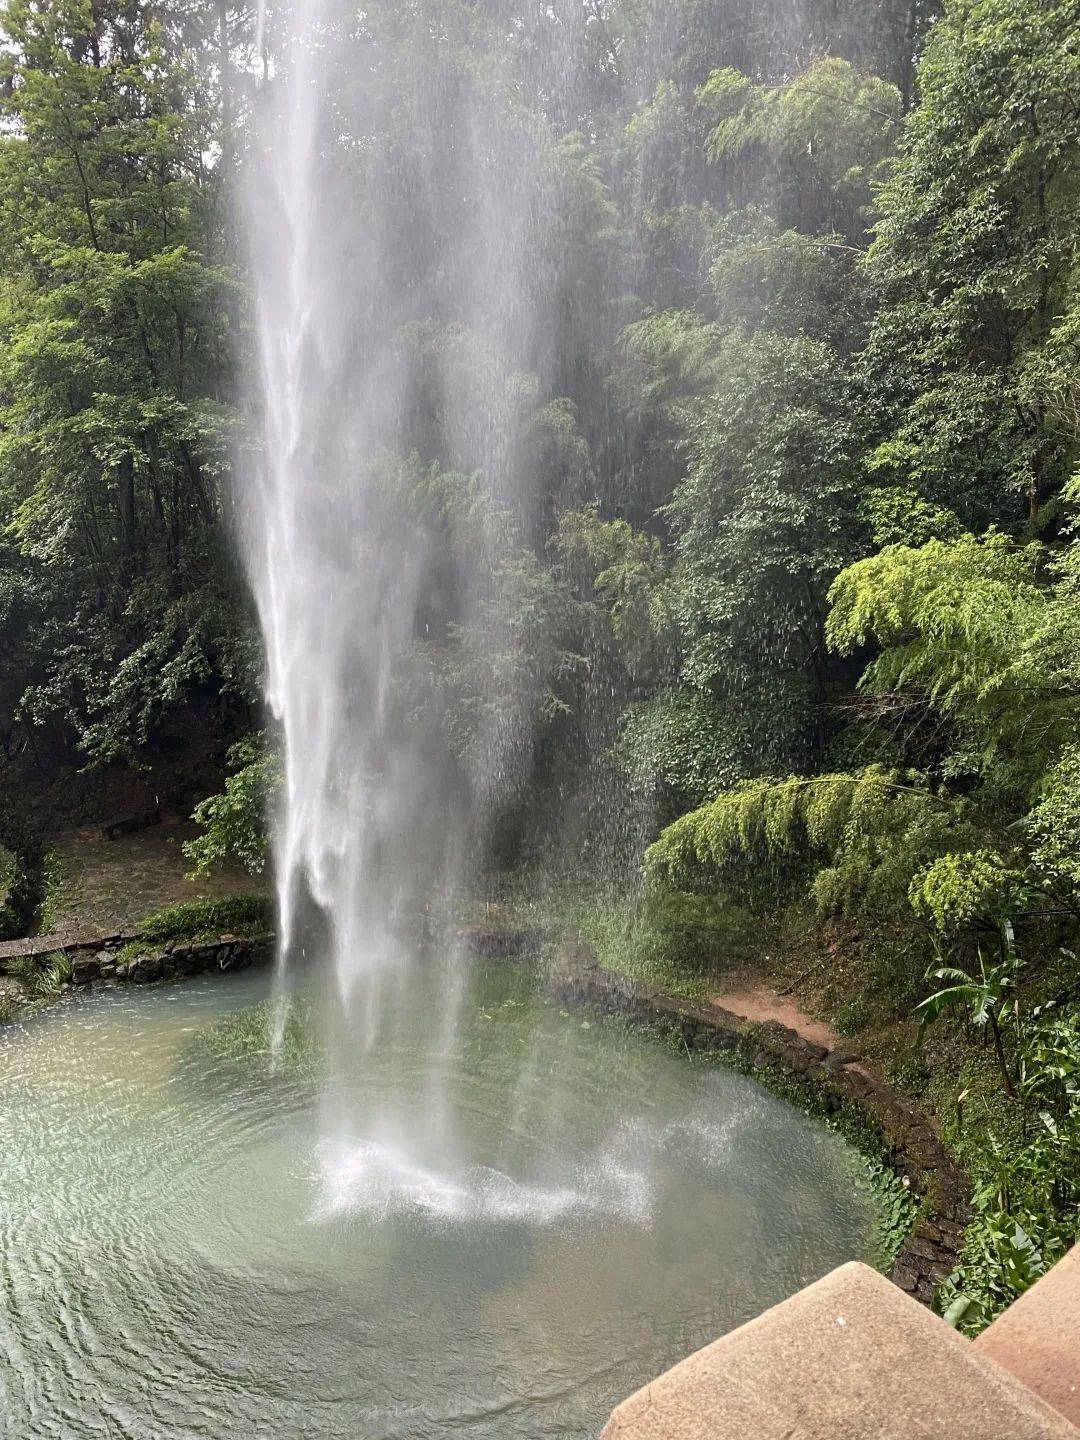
{"x": 760, "y": 1002}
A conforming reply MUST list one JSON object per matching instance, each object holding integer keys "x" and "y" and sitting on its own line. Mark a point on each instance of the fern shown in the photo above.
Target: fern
{"x": 864, "y": 825}
{"x": 969, "y": 624}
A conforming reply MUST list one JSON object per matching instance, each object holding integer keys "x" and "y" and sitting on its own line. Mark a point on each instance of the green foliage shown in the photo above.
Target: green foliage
{"x": 625, "y": 570}
{"x": 898, "y": 515}
{"x": 984, "y": 995}
{"x": 895, "y": 1211}
{"x": 235, "y": 821}
{"x": 802, "y": 433}
{"x": 948, "y": 615}
{"x": 680, "y": 746}
{"x": 21, "y": 872}
{"x": 959, "y": 890}
{"x": 827, "y": 133}
{"x": 867, "y": 826}
{"x": 43, "y": 977}
{"x": 52, "y": 886}
{"x": 973, "y": 259}
{"x": 1027, "y": 1194}
{"x": 9, "y": 870}
{"x": 1053, "y": 824}
{"x": 115, "y": 315}
{"x": 680, "y": 943}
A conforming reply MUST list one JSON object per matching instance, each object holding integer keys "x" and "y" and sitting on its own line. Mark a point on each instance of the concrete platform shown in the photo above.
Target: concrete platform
{"x": 850, "y": 1358}
{"x": 1038, "y": 1337}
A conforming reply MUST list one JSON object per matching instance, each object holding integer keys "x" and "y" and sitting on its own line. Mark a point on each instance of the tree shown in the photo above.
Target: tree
{"x": 974, "y": 263}
{"x": 115, "y": 407}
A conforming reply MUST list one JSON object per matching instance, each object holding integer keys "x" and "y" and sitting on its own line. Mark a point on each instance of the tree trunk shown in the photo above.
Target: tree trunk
{"x": 999, "y": 1050}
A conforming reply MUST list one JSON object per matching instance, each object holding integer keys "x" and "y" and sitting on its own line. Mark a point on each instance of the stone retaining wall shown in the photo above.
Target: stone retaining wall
{"x": 907, "y": 1138}
{"x": 97, "y": 957}
{"x": 173, "y": 961}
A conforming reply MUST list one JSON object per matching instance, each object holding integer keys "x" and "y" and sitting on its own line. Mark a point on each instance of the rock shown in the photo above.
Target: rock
{"x": 927, "y": 1249}
{"x": 839, "y": 1058}
{"x": 83, "y": 970}
{"x": 904, "y": 1276}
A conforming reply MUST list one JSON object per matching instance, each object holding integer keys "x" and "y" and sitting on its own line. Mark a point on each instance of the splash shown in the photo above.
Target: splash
{"x": 366, "y": 1179}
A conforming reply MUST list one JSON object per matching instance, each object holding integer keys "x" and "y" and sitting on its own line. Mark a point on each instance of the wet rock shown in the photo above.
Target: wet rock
{"x": 904, "y": 1276}
{"x": 84, "y": 969}
{"x": 839, "y": 1059}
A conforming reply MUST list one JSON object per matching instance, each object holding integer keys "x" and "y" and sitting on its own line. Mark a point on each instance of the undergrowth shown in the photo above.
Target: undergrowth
{"x": 681, "y": 944}
{"x": 42, "y": 977}
{"x": 233, "y": 915}
{"x": 52, "y": 888}
{"x": 195, "y": 920}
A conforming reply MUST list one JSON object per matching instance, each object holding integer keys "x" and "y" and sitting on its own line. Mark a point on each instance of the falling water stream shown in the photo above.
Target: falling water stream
{"x": 378, "y": 820}
{"x": 399, "y": 210}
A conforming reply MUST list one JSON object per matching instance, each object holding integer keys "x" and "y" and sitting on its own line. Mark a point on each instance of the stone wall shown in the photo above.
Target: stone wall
{"x": 173, "y": 961}
{"x": 906, "y": 1137}
{"x": 98, "y": 957}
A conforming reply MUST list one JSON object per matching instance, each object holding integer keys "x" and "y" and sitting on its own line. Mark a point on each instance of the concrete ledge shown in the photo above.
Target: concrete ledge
{"x": 1038, "y": 1337}
{"x": 850, "y": 1358}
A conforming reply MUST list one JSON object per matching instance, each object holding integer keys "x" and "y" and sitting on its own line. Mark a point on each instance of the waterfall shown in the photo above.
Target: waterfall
{"x": 396, "y": 207}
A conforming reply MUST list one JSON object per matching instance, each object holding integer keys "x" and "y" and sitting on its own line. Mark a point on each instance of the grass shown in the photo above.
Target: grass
{"x": 52, "y": 889}
{"x": 42, "y": 977}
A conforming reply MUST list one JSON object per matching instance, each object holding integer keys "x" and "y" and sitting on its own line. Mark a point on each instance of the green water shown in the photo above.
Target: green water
{"x": 186, "y": 1255}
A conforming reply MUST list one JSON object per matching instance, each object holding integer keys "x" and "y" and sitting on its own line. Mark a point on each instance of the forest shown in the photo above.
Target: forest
{"x": 795, "y": 616}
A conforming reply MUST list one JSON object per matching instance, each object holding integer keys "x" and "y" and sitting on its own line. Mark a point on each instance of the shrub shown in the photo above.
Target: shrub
{"x": 235, "y": 821}
{"x": 20, "y": 874}
{"x": 1027, "y": 1177}
{"x": 961, "y": 889}
{"x": 235, "y": 914}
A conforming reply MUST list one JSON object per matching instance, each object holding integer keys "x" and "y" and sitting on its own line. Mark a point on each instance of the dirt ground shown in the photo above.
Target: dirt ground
{"x": 761, "y": 1002}
{"x": 110, "y": 884}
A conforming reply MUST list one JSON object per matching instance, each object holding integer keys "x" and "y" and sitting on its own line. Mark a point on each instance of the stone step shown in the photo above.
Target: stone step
{"x": 1038, "y": 1337}
{"x": 849, "y": 1358}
